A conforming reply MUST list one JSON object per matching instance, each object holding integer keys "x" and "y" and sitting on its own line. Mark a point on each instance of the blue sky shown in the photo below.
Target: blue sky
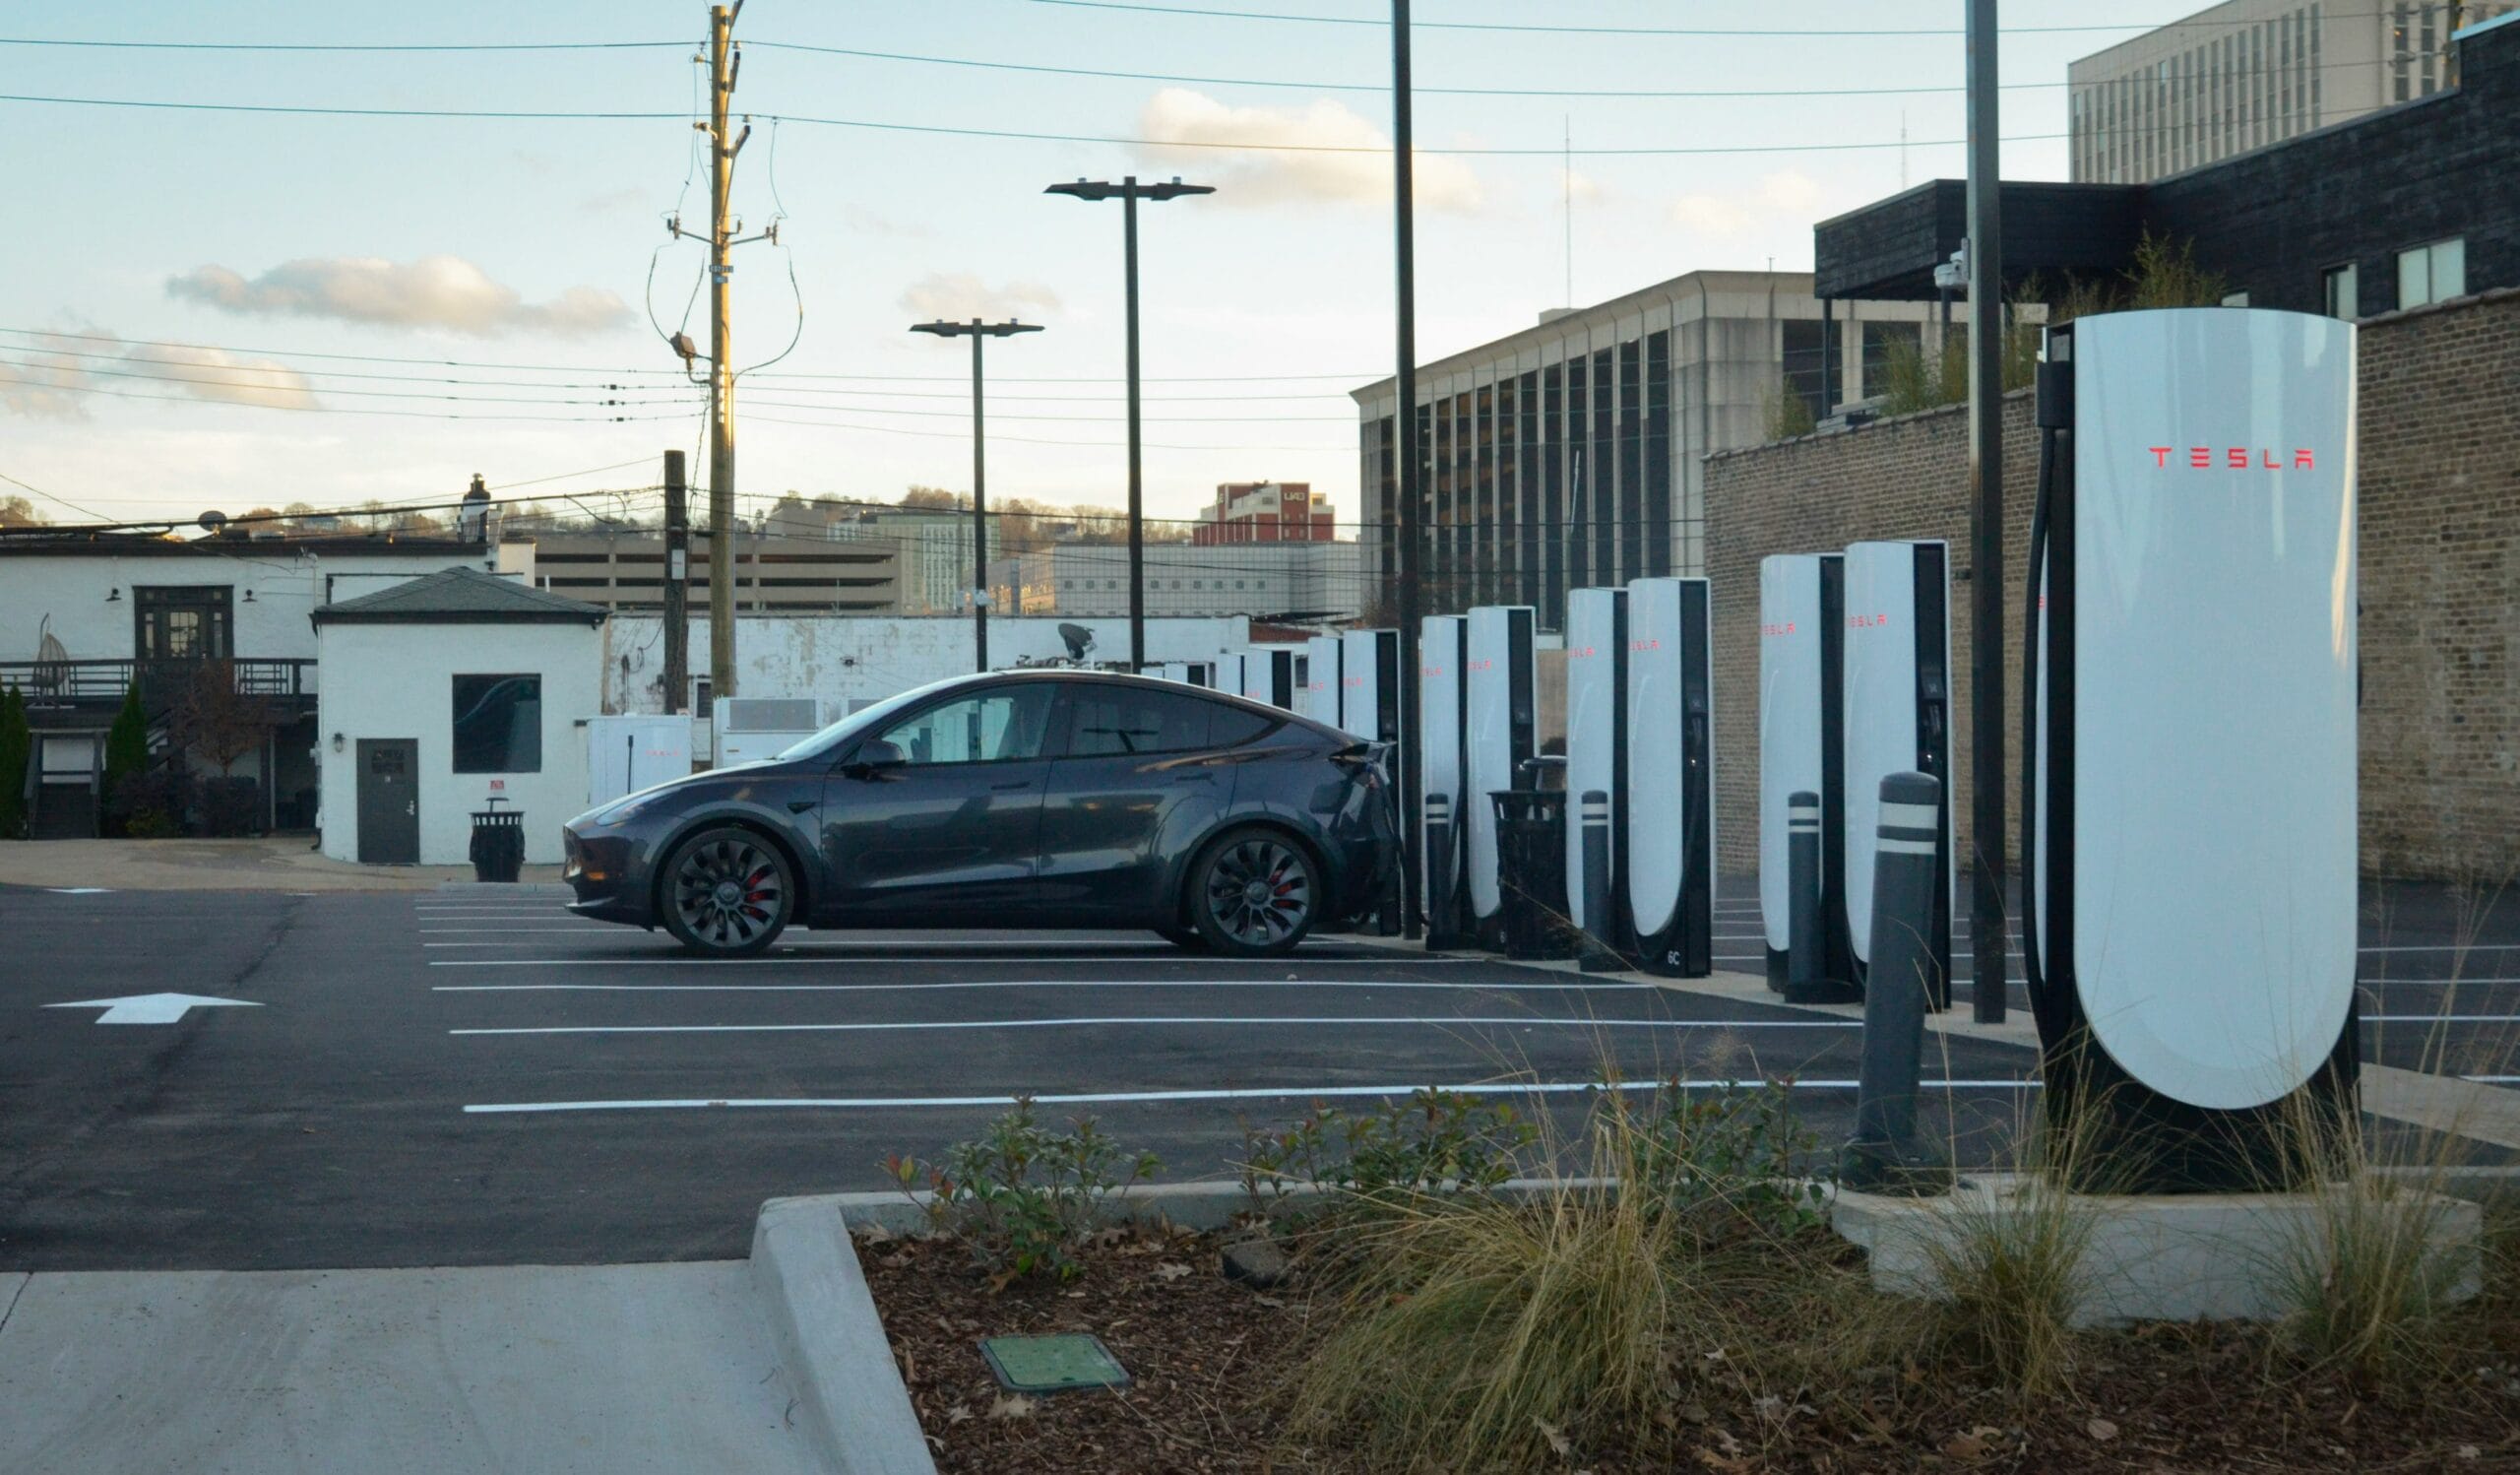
{"x": 261, "y": 234}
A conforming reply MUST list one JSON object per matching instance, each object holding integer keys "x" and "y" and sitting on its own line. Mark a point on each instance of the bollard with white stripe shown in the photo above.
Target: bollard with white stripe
{"x": 1443, "y": 884}
{"x": 1802, "y": 888}
{"x": 1885, "y": 1155}
{"x": 1600, "y": 953}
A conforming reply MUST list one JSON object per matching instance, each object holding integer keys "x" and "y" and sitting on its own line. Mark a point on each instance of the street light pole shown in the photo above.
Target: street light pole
{"x": 978, "y": 332}
{"x": 1405, "y": 481}
{"x": 1128, "y": 192}
{"x": 1985, "y": 269}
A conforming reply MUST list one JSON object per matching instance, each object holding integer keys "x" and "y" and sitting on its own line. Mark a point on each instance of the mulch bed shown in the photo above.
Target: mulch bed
{"x": 1208, "y": 1356}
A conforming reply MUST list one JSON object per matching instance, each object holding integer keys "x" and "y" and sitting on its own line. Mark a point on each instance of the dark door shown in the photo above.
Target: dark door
{"x": 389, "y": 802}
{"x": 954, "y": 832}
{"x": 175, "y": 627}
{"x": 1136, "y": 784}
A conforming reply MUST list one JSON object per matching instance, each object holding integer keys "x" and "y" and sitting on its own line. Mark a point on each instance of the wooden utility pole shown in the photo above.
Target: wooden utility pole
{"x": 722, "y": 66}
{"x": 677, "y": 585}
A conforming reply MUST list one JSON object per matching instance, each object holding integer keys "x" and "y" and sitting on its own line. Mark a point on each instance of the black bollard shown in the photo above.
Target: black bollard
{"x": 1885, "y": 1154}
{"x": 1802, "y": 891}
{"x": 1599, "y": 954}
{"x": 1443, "y": 901}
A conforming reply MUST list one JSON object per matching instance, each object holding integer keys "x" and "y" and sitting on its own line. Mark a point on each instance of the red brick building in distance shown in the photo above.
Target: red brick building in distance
{"x": 1265, "y": 512}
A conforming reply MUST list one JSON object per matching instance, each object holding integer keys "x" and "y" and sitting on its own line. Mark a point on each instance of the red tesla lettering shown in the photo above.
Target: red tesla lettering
{"x": 2237, "y": 459}
{"x": 2161, "y": 455}
{"x": 2302, "y": 460}
{"x": 2271, "y": 464}
{"x": 2200, "y": 457}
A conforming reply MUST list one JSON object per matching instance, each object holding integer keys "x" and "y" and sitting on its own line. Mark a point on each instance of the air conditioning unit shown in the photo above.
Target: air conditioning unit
{"x": 745, "y": 729}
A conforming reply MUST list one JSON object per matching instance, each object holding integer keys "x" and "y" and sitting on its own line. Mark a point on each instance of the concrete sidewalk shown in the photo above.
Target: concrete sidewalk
{"x": 607, "y": 1369}
{"x": 276, "y": 863}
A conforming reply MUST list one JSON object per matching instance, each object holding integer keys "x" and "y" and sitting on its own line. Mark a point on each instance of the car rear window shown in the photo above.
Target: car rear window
{"x": 1110, "y": 721}
{"x": 1232, "y": 727}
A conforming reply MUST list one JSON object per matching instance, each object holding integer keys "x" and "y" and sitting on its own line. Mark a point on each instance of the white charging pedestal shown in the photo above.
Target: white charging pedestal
{"x": 1442, "y": 651}
{"x": 1668, "y": 798}
{"x": 1896, "y": 702}
{"x": 1501, "y": 706}
{"x": 1802, "y": 615}
{"x": 1597, "y": 750}
{"x": 2192, "y": 811}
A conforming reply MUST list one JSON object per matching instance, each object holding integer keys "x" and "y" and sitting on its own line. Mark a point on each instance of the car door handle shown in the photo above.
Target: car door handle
{"x": 1201, "y": 776}
{"x": 1006, "y": 788}
{"x": 801, "y": 805}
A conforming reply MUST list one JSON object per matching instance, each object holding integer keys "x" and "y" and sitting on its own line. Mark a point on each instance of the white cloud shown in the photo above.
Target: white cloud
{"x": 1787, "y": 197}
{"x": 58, "y": 379}
{"x": 434, "y": 291}
{"x": 1579, "y": 186}
{"x": 1265, "y": 176}
{"x": 956, "y": 295}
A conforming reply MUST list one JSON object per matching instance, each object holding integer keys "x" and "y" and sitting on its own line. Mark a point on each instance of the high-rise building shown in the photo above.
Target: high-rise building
{"x": 1265, "y": 512}
{"x": 2248, "y": 72}
{"x": 1570, "y": 454}
{"x": 1291, "y": 581}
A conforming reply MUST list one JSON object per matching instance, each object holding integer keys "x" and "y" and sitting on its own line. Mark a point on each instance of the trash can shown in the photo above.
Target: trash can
{"x": 499, "y": 843}
{"x": 1531, "y": 866}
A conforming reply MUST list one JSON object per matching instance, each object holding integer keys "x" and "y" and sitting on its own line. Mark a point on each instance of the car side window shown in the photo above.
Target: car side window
{"x": 1006, "y": 724}
{"x": 1112, "y": 721}
{"x": 1232, "y": 727}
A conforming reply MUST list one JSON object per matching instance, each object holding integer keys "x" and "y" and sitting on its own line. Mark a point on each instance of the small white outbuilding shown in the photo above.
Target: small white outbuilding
{"x": 443, "y": 694}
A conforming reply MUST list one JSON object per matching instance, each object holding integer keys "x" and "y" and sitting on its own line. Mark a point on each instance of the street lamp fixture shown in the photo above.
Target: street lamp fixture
{"x": 978, "y": 331}
{"x": 1129, "y": 192}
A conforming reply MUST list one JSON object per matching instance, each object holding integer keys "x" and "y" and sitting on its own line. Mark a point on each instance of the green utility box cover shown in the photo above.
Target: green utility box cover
{"x": 1045, "y": 1365}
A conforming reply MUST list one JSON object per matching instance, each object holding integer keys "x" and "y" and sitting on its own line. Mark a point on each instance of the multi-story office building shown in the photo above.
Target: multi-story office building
{"x": 1265, "y": 512}
{"x": 1284, "y": 581}
{"x": 625, "y": 570}
{"x": 935, "y": 545}
{"x": 1568, "y": 454}
{"x": 2248, "y": 72}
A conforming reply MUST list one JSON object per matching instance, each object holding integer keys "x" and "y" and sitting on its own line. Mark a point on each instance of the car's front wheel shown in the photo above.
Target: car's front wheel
{"x": 727, "y": 893}
{"x": 1253, "y": 892}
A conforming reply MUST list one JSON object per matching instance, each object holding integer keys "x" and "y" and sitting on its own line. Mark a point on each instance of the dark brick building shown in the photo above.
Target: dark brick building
{"x": 2417, "y": 203}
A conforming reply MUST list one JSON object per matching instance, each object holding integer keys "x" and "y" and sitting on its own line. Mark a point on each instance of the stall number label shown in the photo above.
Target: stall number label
{"x": 1866, "y": 621}
{"x": 1785, "y": 628}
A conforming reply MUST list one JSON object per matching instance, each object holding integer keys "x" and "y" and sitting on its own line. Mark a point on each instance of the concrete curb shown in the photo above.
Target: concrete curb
{"x": 822, "y": 1318}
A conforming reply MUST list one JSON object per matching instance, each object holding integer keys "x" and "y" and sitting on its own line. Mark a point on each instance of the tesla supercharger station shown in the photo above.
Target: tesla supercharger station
{"x": 1443, "y": 649}
{"x": 1597, "y": 667}
{"x": 1369, "y": 685}
{"x": 1895, "y": 685}
{"x": 1802, "y": 622}
{"x": 1668, "y": 796}
{"x": 1269, "y": 675}
{"x": 1321, "y": 685}
{"x": 1500, "y": 701}
{"x": 2190, "y": 805}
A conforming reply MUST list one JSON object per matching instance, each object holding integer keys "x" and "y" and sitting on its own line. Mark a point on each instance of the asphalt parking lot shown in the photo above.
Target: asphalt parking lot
{"x": 474, "y": 1076}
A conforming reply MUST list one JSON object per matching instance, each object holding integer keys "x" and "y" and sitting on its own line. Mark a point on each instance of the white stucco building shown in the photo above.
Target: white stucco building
{"x": 442, "y": 694}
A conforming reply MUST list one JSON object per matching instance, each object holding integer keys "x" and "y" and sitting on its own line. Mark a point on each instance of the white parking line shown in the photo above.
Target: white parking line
{"x": 1139, "y": 1020}
{"x": 1244, "y": 1093}
{"x": 2442, "y": 1019}
{"x": 830, "y": 959}
{"x": 583, "y": 928}
{"x": 1039, "y": 982}
{"x": 2449, "y": 947}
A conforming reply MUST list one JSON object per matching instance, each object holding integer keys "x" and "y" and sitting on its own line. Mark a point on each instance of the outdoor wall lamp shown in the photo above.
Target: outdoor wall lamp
{"x": 114, "y": 596}
{"x": 249, "y": 596}
{"x": 336, "y": 743}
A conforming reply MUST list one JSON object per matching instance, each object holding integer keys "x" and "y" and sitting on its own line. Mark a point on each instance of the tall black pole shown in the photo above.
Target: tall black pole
{"x": 1405, "y": 480}
{"x": 1989, "y": 937}
{"x": 979, "y": 510}
{"x": 1137, "y": 488}
{"x": 677, "y": 585}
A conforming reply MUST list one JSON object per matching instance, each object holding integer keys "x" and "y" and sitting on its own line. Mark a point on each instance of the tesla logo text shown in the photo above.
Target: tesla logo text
{"x": 1866, "y": 621}
{"x": 1785, "y": 628}
{"x": 2234, "y": 458}
{"x": 1645, "y": 645}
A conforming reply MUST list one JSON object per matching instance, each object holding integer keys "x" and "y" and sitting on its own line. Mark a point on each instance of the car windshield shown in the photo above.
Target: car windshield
{"x": 838, "y": 735}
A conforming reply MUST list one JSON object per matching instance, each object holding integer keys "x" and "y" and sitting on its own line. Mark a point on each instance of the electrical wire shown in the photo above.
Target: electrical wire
{"x": 128, "y": 394}
{"x": 1033, "y": 440}
{"x": 25, "y": 40}
{"x": 154, "y": 343}
{"x": 1107, "y": 419}
{"x": 1529, "y": 28}
{"x": 237, "y": 366}
{"x": 250, "y": 384}
{"x": 49, "y": 497}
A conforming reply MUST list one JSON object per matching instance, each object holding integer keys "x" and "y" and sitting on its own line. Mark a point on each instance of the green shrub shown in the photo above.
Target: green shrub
{"x": 126, "y": 757}
{"x": 17, "y": 745}
{"x": 1727, "y": 1159}
{"x": 1436, "y": 1141}
{"x": 1022, "y": 1197}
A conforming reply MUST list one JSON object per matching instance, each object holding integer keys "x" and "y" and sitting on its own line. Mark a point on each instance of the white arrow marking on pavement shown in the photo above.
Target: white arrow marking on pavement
{"x": 152, "y": 1008}
{"x": 80, "y": 890}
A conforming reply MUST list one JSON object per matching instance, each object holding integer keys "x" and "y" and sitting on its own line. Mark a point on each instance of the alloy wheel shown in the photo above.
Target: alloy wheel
{"x": 729, "y": 893}
{"x": 1259, "y": 892}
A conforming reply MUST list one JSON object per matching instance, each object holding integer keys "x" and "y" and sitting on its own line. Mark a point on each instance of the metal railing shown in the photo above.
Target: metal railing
{"x": 63, "y": 683}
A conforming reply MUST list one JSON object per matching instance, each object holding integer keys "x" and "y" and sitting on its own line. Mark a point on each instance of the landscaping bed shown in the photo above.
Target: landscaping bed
{"x": 1687, "y": 1311}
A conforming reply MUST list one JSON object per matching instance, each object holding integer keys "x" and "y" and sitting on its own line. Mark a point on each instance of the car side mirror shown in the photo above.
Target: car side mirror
{"x": 876, "y": 755}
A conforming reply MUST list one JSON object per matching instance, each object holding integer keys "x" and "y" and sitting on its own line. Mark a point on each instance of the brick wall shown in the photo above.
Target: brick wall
{"x": 2441, "y": 572}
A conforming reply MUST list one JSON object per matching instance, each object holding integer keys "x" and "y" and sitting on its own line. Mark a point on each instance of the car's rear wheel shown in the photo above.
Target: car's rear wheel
{"x": 1254, "y": 892}
{"x": 727, "y": 893}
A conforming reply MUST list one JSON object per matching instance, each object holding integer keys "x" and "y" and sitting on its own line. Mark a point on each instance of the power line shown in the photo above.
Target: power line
{"x": 1380, "y": 23}
{"x": 1035, "y": 440}
{"x": 129, "y": 394}
{"x": 556, "y": 368}
{"x": 360, "y": 46}
{"x": 255, "y": 384}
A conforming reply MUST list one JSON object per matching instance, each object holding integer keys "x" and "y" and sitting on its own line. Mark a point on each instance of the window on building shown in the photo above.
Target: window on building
{"x": 1803, "y": 363}
{"x": 1001, "y": 726}
{"x": 2343, "y": 285}
{"x": 2433, "y": 273}
{"x": 1881, "y": 342}
{"x": 498, "y": 724}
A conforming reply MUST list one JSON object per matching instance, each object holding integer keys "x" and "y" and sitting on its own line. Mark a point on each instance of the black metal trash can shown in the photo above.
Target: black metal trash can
{"x": 1530, "y": 871}
{"x": 499, "y": 843}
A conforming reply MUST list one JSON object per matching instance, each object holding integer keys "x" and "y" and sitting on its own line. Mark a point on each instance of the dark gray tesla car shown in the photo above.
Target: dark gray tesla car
{"x": 1057, "y": 799}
